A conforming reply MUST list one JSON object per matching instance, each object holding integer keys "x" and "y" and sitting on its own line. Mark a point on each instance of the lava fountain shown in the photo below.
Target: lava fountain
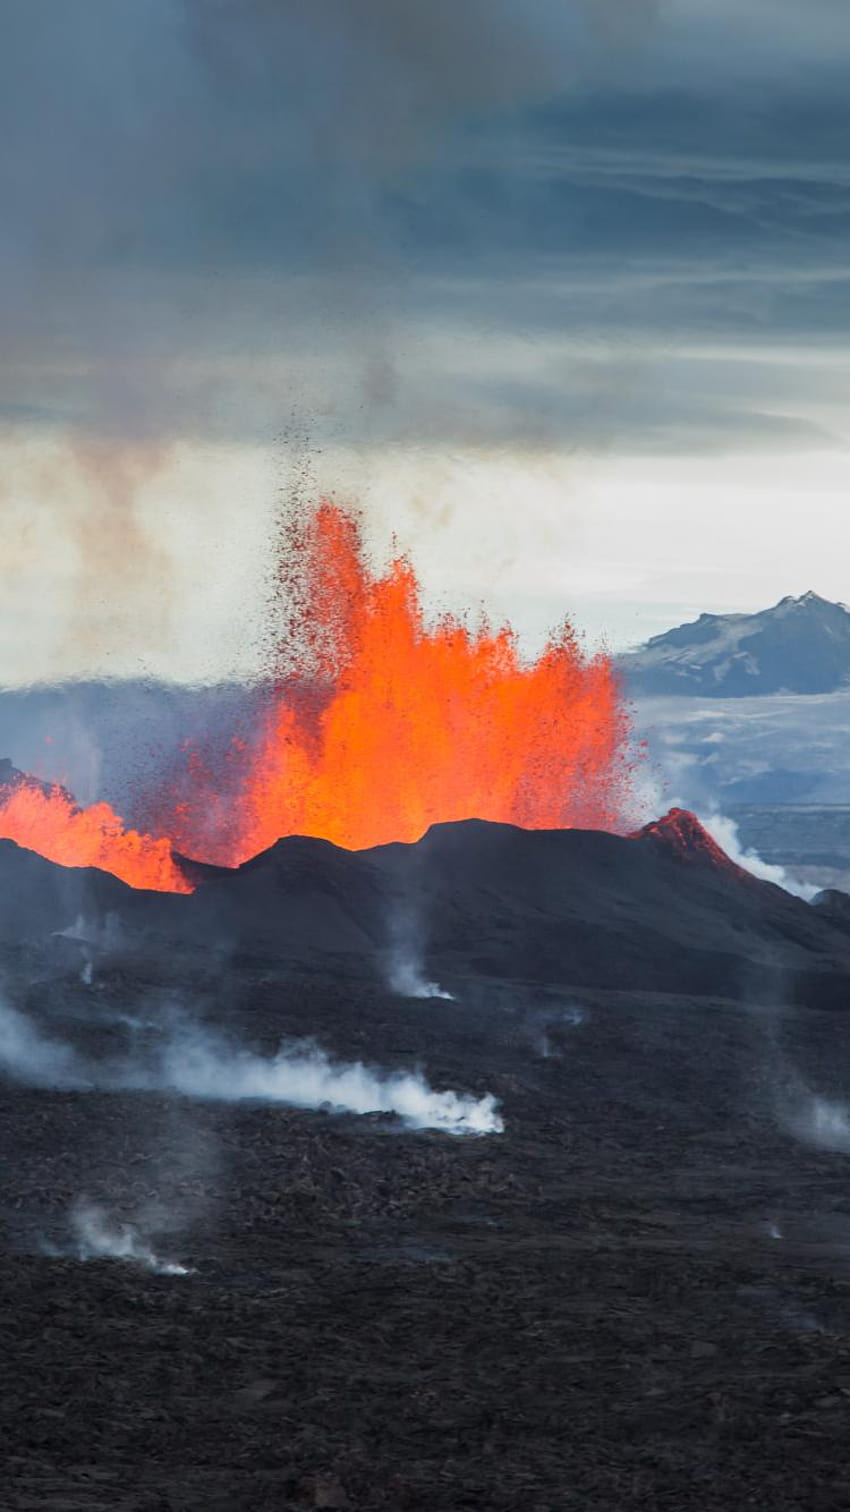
{"x": 376, "y": 725}
{"x": 46, "y": 819}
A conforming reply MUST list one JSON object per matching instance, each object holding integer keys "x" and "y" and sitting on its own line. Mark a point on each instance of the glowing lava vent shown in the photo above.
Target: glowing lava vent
{"x": 45, "y": 818}
{"x": 377, "y": 725}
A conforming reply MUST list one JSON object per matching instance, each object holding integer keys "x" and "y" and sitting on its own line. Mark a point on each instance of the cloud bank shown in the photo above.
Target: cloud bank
{"x": 219, "y": 215}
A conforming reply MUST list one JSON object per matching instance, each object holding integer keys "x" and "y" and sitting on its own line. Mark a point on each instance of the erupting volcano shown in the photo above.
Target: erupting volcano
{"x": 376, "y": 726}
{"x": 46, "y": 819}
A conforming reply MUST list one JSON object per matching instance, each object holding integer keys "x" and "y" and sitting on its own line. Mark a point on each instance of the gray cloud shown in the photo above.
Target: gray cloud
{"x": 218, "y": 213}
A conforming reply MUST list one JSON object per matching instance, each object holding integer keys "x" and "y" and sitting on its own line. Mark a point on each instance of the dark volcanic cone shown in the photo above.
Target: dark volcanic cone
{"x": 663, "y": 911}
{"x": 679, "y": 833}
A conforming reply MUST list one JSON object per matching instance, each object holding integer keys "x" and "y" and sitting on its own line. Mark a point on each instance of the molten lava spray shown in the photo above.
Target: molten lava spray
{"x": 46, "y": 819}
{"x": 378, "y": 725}
{"x": 407, "y": 726}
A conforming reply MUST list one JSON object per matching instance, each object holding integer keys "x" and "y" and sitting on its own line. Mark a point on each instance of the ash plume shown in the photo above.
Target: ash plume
{"x": 121, "y": 562}
{"x": 403, "y": 70}
{"x": 255, "y": 138}
{"x": 207, "y": 211}
{"x": 102, "y": 545}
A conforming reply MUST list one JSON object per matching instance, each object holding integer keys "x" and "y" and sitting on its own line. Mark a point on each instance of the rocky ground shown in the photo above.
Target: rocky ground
{"x": 638, "y": 1295}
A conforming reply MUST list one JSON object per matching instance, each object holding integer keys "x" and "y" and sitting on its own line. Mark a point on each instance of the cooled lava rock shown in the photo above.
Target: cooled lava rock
{"x": 664, "y": 910}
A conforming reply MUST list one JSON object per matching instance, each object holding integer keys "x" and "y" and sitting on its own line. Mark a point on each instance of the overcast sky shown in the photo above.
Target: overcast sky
{"x": 558, "y": 290}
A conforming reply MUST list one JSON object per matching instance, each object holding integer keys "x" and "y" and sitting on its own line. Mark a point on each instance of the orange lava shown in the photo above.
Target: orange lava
{"x": 379, "y": 726}
{"x": 46, "y": 819}
{"x": 407, "y": 725}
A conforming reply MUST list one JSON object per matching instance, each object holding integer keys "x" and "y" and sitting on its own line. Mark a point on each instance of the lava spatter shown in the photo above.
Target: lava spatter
{"x": 44, "y": 817}
{"x": 377, "y": 724}
{"x": 408, "y": 725}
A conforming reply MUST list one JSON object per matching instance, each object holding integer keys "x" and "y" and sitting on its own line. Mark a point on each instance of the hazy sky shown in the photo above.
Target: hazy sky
{"x": 557, "y": 289}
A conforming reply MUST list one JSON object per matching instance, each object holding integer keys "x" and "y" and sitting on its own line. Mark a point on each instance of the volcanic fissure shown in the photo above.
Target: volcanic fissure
{"x": 376, "y": 725}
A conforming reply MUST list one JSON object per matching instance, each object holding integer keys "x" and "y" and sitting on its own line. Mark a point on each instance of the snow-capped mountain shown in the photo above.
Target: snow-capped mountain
{"x": 801, "y": 645}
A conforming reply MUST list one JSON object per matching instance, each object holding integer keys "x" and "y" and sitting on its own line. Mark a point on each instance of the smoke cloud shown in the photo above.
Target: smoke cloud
{"x": 184, "y": 178}
{"x": 210, "y": 208}
{"x": 397, "y": 70}
{"x": 121, "y": 562}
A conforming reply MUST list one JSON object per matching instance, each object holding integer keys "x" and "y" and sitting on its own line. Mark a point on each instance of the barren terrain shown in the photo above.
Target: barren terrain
{"x": 637, "y": 1295}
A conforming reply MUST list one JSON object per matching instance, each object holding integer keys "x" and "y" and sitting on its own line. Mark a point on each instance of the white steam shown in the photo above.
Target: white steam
{"x": 28, "y": 1056}
{"x": 93, "y": 937}
{"x": 76, "y": 931}
{"x": 194, "y": 1063}
{"x": 823, "y": 1122}
{"x": 725, "y": 831}
{"x": 99, "y": 1237}
{"x": 542, "y": 1042}
{"x": 303, "y": 1076}
{"x": 407, "y": 978}
{"x": 654, "y": 799}
{"x": 405, "y": 961}
{"x": 106, "y": 934}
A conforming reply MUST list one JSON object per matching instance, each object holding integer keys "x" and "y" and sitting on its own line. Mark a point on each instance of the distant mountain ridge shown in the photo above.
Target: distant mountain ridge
{"x": 800, "y": 645}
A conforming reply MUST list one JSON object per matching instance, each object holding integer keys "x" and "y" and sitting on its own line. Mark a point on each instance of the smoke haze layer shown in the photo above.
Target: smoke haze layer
{"x": 503, "y": 229}
{"x": 209, "y": 211}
